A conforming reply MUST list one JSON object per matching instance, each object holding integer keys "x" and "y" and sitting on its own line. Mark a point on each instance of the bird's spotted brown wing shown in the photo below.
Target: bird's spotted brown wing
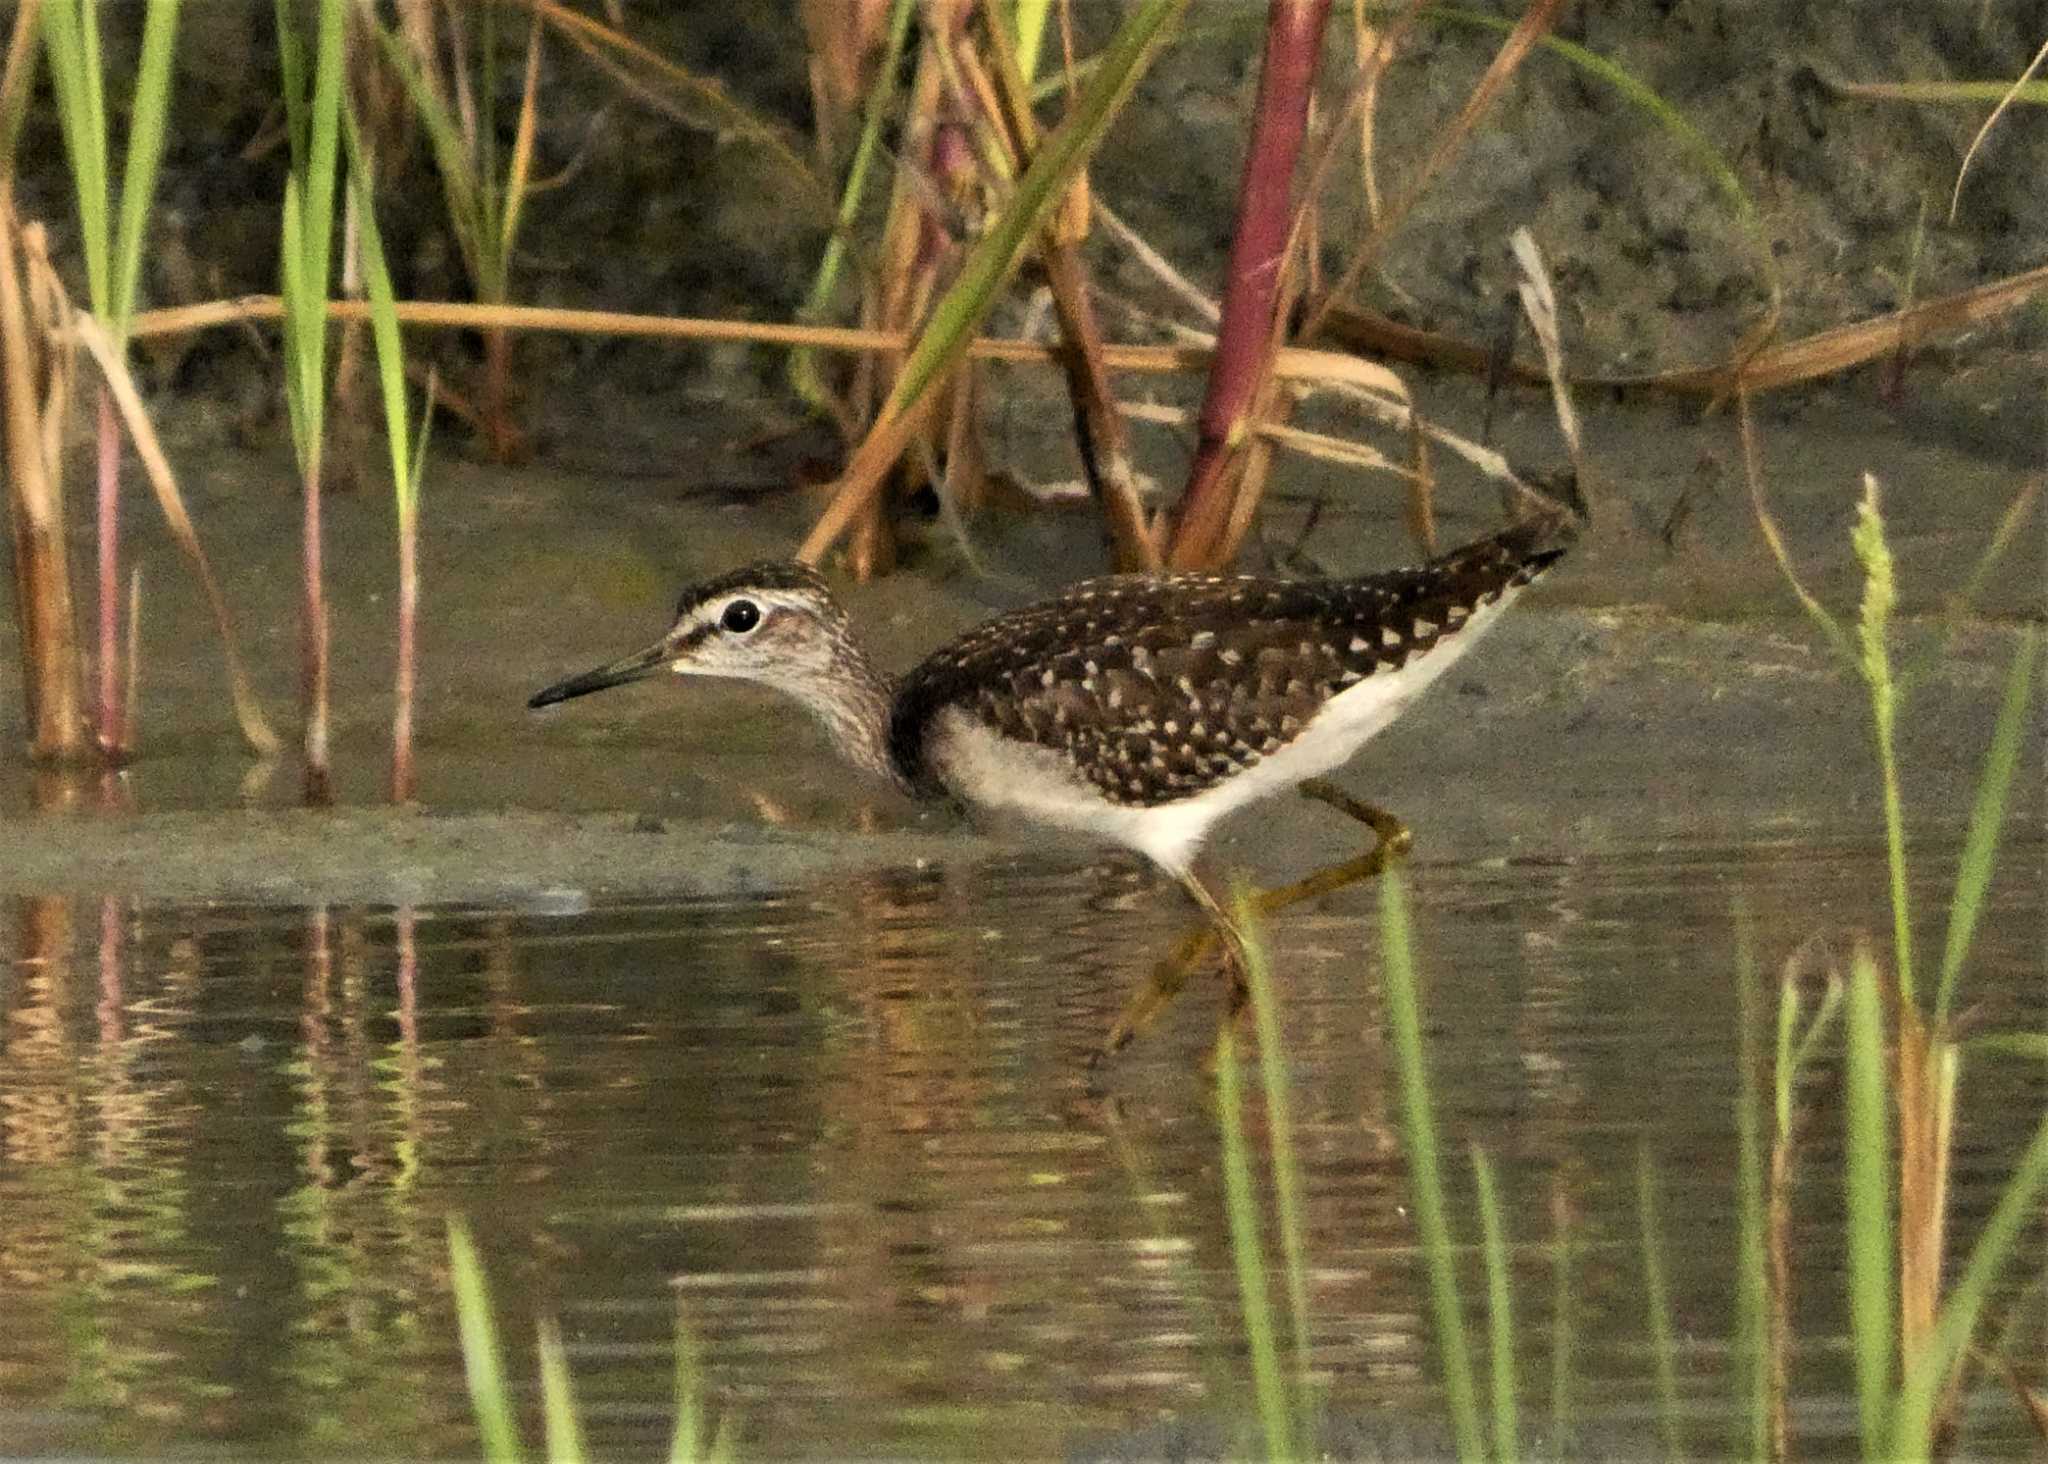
{"x": 1159, "y": 687}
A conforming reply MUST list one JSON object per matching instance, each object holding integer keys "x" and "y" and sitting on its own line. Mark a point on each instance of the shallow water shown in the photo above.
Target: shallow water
{"x": 850, "y": 1131}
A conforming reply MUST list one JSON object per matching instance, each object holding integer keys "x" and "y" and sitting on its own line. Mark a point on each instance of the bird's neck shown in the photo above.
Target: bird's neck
{"x": 851, "y": 700}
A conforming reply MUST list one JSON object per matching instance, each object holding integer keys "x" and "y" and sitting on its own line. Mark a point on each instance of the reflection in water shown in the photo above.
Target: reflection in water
{"x": 847, "y": 1131}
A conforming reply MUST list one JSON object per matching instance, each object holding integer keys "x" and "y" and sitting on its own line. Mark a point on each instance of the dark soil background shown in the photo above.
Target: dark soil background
{"x": 1655, "y": 268}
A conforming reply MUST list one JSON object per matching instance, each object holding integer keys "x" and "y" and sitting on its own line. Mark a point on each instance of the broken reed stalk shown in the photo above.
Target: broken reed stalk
{"x": 1098, "y": 424}
{"x": 42, "y": 569}
{"x": 949, "y": 334}
{"x": 1246, "y": 339}
{"x": 35, "y": 491}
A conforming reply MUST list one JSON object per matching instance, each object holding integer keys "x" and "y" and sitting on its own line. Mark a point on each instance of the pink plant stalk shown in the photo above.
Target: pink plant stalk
{"x": 1251, "y": 294}
{"x": 108, "y": 717}
{"x": 402, "y": 779}
{"x": 313, "y": 648}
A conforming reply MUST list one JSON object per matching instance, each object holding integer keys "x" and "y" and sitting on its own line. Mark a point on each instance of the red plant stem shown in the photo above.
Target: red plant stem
{"x": 1246, "y": 336}
{"x": 108, "y": 713}
{"x": 313, "y": 649}
{"x": 402, "y": 783}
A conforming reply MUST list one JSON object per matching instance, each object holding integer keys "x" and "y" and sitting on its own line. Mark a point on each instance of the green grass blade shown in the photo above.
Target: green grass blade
{"x": 291, "y": 63}
{"x": 481, "y": 1360}
{"x": 558, "y": 1398}
{"x": 487, "y": 110}
{"x": 961, "y": 310}
{"x": 411, "y": 505}
{"x": 1987, "y": 822}
{"x": 1418, "y": 1134}
{"x": 687, "y": 1445}
{"x": 803, "y": 363}
{"x": 1507, "y": 1430}
{"x": 1823, "y": 1018}
{"x": 148, "y": 119}
{"x": 73, "y": 64}
{"x": 1031, "y": 16}
{"x": 1286, "y": 1168}
{"x": 1241, "y": 1205}
{"x": 1657, "y": 1293}
{"x": 725, "y": 1443}
{"x": 1873, "y": 1315}
{"x": 323, "y": 147}
{"x": 459, "y": 181}
{"x": 384, "y": 331}
{"x": 1752, "y": 1281}
{"x": 2028, "y": 1046}
{"x": 291, "y": 287}
{"x": 1561, "y": 1335}
{"x": 1927, "y": 1375}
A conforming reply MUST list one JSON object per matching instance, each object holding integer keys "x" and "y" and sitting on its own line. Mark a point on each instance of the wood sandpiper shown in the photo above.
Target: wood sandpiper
{"x": 1136, "y": 709}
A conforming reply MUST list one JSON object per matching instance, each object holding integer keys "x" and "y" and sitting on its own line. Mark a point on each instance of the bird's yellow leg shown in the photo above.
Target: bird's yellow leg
{"x": 1172, "y": 971}
{"x": 1393, "y": 840}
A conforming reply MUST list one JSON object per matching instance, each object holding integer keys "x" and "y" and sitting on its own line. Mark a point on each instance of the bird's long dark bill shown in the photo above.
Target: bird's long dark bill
{"x": 636, "y": 667}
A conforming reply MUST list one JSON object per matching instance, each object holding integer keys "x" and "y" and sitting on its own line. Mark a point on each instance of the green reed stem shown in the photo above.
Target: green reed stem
{"x": 1752, "y": 1282}
{"x": 1241, "y": 1206}
{"x": 1561, "y": 1328}
{"x": 803, "y": 362}
{"x": 1987, "y": 821}
{"x": 1507, "y": 1429}
{"x": 1928, "y": 1375}
{"x": 1419, "y": 1140}
{"x": 695, "y": 1441}
{"x": 1873, "y": 1316}
{"x": 558, "y": 1398}
{"x": 960, "y": 311}
{"x": 1657, "y": 1293}
{"x": 1280, "y": 1136}
{"x": 482, "y": 1362}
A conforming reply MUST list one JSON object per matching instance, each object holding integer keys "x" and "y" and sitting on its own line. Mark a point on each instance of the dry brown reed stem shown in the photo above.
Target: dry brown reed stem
{"x": 1539, "y": 304}
{"x": 839, "y": 36}
{"x": 1955, "y": 200}
{"x": 1365, "y": 381}
{"x": 1292, "y": 363}
{"x": 1098, "y": 426}
{"x": 1251, "y": 294}
{"x": 508, "y": 442}
{"x": 42, "y": 569}
{"x": 1926, "y": 1119}
{"x": 1824, "y": 353}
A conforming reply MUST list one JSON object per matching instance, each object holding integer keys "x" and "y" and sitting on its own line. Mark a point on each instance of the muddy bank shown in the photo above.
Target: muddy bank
{"x": 1660, "y": 688}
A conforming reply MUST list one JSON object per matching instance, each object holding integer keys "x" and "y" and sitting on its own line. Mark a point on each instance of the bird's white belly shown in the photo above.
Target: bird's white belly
{"x": 992, "y": 771}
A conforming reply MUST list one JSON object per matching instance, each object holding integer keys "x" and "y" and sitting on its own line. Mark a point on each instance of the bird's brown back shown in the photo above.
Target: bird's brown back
{"x": 1158, "y": 687}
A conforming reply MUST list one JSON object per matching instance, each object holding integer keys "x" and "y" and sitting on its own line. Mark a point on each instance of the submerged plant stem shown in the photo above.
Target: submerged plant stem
{"x": 1418, "y": 1135}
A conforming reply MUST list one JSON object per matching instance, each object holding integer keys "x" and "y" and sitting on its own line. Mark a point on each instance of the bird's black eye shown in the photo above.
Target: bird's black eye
{"x": 741, "y": 616}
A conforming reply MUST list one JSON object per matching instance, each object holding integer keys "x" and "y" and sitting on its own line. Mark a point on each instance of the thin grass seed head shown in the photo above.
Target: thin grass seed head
{"x": 1880, "y": 588}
